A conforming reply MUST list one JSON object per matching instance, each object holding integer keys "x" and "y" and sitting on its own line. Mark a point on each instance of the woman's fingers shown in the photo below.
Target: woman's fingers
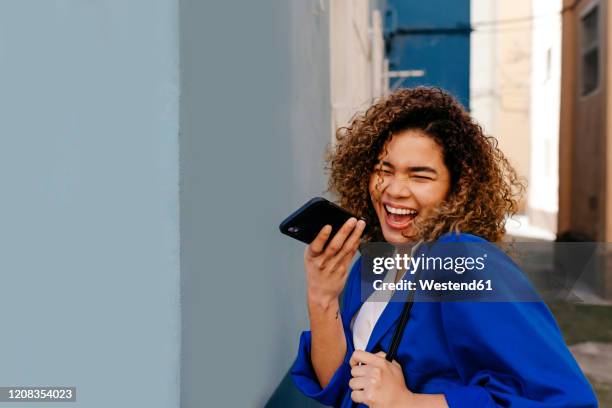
{"x": 352, "y": 243}
{"x": 358, "y": 396}
{"x": 358, "y": 383}
{"x": 345, "y": 255}
{"x": 316, "y": 246}
{"x": 338, "y": 240}
{"x": 360, "y": 356}
{"x": 359, "y": 370}
{"x": 346, "y": 239}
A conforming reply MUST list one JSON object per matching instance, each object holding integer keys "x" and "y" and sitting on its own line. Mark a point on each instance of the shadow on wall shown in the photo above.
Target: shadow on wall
{"x": 287, "y": 395}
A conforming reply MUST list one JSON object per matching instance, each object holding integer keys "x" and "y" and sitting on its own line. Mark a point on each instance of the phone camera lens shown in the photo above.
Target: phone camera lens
{"x": 293, "y": 230}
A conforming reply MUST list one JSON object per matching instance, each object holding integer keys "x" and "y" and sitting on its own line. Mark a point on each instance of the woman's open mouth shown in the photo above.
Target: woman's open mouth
{"x": 399, "y": 218}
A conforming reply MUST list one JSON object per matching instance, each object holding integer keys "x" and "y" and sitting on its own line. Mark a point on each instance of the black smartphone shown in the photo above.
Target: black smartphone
{"x": 305, "y": 223}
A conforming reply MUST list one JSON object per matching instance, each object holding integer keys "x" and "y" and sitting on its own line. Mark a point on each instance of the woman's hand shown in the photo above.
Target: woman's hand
{"x": 327, "y": 267}
{"x": 377, "y": 382}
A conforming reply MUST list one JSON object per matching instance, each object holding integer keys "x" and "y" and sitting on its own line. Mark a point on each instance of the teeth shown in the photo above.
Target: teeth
{"x": 400, "y": 211}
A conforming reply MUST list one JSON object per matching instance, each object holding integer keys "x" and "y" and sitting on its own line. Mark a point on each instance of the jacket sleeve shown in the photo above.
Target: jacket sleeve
{"x": 511, "y": 354}
{"x": 306, "y": 380}
{"x": 302, "y": 372}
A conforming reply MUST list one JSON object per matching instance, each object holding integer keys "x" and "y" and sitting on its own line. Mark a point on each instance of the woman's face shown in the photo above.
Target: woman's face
{"x": 409, "y": 182}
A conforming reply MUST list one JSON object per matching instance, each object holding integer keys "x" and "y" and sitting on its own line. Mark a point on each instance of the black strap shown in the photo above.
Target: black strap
{"x": 401, "y": 325}
{"x": 399, "y": 330}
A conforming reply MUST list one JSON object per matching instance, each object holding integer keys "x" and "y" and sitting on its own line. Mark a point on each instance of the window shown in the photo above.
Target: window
{"x": 548, "y": 63}
{"x": 589, "y": 53}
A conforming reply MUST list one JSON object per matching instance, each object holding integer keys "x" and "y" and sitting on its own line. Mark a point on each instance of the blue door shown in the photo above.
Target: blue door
{"x": 428, "y": 43}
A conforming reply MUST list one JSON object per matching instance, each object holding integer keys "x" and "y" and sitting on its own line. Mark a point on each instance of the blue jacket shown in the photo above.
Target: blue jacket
{"x": 496, "y": 354}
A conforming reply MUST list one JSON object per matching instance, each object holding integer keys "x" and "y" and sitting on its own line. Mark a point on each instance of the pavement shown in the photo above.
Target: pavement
{"x": 595, "y": 359}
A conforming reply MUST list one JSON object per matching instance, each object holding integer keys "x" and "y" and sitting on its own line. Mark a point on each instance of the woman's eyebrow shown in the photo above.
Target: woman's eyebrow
{"x": 414, "y": 169}
{"x": 422, "y": 169}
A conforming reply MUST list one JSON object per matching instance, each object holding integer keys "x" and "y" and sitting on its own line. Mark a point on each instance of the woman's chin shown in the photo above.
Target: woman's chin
{"x": 397, "y": 236}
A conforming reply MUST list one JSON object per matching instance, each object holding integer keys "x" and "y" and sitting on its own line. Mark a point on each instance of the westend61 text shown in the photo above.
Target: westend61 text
{"x": 430, "y": 284}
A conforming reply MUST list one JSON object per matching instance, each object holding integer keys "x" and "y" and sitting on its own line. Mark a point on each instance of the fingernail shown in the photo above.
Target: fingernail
{"x": 361, "y": 223}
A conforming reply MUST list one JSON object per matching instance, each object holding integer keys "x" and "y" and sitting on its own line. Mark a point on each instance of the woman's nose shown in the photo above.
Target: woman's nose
{"x": 399, "y": 187}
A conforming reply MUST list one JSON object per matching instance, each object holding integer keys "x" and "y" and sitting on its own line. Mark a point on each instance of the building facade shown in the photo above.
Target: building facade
{"x": 585, "y": 146}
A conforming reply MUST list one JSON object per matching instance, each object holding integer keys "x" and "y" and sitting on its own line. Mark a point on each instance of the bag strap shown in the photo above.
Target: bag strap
{"x": 399, "y": 330}
{"x": 401, "y": 326}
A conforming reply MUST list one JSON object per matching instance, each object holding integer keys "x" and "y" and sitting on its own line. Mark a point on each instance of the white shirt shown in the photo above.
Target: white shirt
{"x": 365, "y": 319}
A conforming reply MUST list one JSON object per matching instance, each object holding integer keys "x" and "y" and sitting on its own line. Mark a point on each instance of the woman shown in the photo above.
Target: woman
{"x": 416, "y": 167}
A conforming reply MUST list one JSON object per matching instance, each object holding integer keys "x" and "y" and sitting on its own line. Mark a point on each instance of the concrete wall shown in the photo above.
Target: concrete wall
{"x": 501, "y": 69}
{"x": 89, "y": 209}
{"x": 483, "y": 65}
{"x": 356, "y": 53}
{"x": 255, "y": 119}
{"x": 545, "y": 104}
{"x": 94, "y": 262}
{"x": 514, "y": 86}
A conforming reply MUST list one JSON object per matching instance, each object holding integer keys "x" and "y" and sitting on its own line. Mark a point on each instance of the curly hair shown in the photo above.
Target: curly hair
{"x": 484, "y": 186}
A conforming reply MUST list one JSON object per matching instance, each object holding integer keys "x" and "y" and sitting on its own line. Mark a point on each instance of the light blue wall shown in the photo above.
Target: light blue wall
{"x": 254, "y": 124}
{"x": 89, "y": 210}
{"x": 89, "y": 165}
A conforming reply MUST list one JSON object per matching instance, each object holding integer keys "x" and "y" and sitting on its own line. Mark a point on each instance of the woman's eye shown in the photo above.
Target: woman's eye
{"x": 422, "y": 177}
{"x": 384, "y": 171}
